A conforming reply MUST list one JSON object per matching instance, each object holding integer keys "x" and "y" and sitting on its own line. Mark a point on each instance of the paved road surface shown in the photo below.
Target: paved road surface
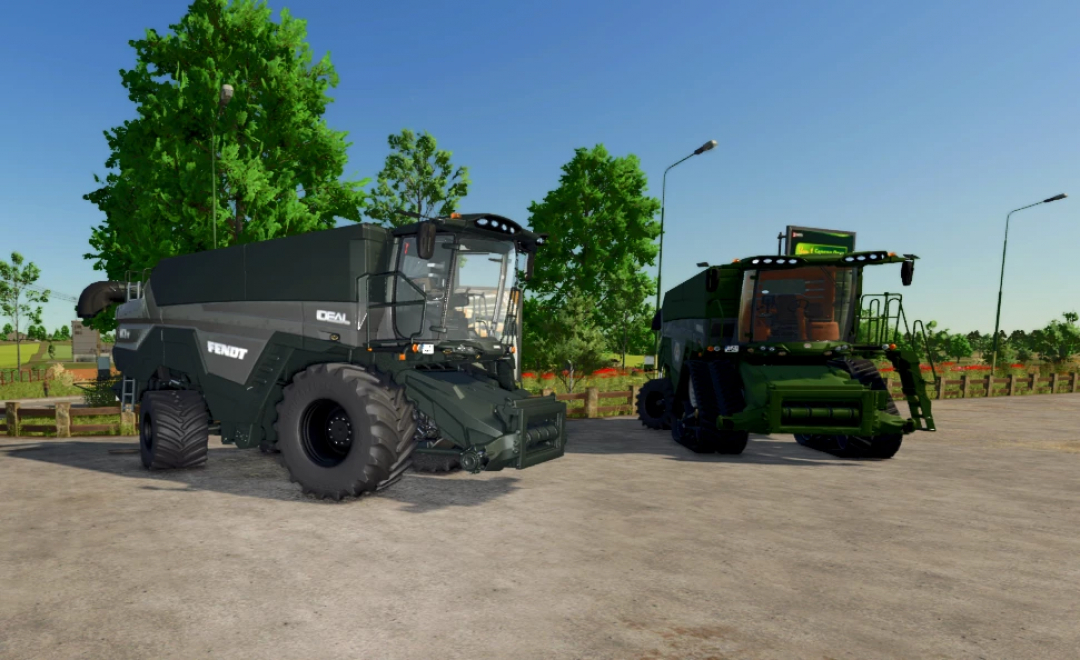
{"x": 966, "y": 545}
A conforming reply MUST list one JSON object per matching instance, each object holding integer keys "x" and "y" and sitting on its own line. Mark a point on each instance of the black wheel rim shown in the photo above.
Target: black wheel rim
{"x": 654, "y": 405}
{"x": 326, "y": 433}
{"x": 147, "y": 433}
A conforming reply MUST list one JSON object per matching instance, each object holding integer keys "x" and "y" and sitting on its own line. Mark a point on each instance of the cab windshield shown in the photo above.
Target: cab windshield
{"x": 462, "y": 292}
{"x": 810, "y": 303}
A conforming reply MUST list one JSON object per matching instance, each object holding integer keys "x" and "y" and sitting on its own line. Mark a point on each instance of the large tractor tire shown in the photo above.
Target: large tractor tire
{"x": 714, "y": 389}
{"x": 857, "y": 446}
{"x": 654, "y": 401}
{"x": 174, "y": 430}
{"x": 428, "y": 435}
{"x": 344, "y": 431}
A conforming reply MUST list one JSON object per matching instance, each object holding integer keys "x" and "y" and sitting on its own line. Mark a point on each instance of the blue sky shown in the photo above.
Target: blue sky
{"x": 918, "y": 125}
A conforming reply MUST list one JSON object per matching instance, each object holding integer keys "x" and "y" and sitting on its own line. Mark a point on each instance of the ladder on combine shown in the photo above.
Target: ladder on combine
{"x": 133, "y": 291}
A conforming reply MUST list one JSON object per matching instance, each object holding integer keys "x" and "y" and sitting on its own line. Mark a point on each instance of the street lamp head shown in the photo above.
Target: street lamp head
{"x": 705, "y": 147}
{"x": 1055, "y": 198}
{"x": 226, "y": 95}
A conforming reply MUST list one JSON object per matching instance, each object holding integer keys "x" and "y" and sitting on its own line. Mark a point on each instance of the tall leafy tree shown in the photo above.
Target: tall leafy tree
{"x": 602, "y": 228}
{"x": 8, "y": 329}
{"x": 417, "y": 177}
{"x": 18, "y": 302}
{"x": 278, "y": 165}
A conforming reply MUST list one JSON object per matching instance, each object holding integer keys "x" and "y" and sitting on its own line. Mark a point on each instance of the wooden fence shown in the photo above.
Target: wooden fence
{"x": 943, "y": 388}
{"x": 62, "y": 415}
{"x": 8, "y": 376}
{"x": 968, "y": 386}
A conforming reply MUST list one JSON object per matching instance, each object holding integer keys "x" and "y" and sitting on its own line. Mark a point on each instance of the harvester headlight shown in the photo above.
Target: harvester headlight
{"x": 768, "y": 261}
{"x": 716, "y": 348}
{"x": 750, "y": 350}
{"x": 756, "y": 261}
{"x": 827, "y": 353}
{"x": 861, "y": 257}
{"x": 782, "y": 353}
{"x": 482, "y": 222}
{"x": 849, "y": 258}
{"x": 873, "y": 256}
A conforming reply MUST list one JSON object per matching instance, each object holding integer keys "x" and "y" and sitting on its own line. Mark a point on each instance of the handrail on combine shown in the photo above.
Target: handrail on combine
{"x": 876, "y": 312}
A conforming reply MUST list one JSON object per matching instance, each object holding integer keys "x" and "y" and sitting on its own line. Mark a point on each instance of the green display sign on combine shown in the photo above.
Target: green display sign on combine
{"x": 807, "y": 240}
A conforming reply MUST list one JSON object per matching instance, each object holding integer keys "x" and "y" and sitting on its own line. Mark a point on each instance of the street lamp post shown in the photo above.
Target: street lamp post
{"x": 660, "y": 267}
{"x": 1001, "y": 283}
{"x": 223, "y": 100}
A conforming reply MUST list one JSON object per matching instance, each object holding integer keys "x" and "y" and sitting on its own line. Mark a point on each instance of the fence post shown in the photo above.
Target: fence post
{"x": 592, "y": 402}
{"x": 990, "y": 384}
{"x": 63, "y": 419}
{"x": 1033, "y": 383}
{"x": 941, "y": 386}
{"x": 127, "y": 423}
{"x": 633, "y": 398}
{"x": 1074, "y": 375}
{"x": 12, "y": 418}
{"x": 964, "y": 386}
{"x": 1053, "y": 383}
{"x": 1012, "y": 384}
{"x": 547, "y": 391}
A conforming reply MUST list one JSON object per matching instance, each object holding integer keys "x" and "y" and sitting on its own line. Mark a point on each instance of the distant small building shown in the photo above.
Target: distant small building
{"x": 11, "y": 336}
{"x": 85, "y": 343}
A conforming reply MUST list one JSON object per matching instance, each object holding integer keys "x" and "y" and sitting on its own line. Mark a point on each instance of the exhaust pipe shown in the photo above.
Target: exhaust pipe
{"x": 97, "y": 297}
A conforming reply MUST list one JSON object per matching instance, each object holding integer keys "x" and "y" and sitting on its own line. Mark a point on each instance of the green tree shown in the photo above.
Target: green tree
{"x": 17, "y": 300}
{"x": 37, "y": 333}
{"x": 959, "y": 347}
{"x": 52, "y": 351}
{"x": 8, "y": 329}
{"x": 1059, "y": 341}
{"x": 563, "y": 338}
{"x": 633, "y": 334}
{"x": 63, "y": 333}
{"x": 278, "y": 165}
{"x": 417, "y": 177}
{"x": 602, "y": 233}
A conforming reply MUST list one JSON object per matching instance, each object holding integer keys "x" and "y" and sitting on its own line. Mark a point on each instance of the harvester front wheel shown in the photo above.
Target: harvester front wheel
{"x": 654, "y": 402}
{"x": 343, "y": 431}
{"x": 174, "y": 430}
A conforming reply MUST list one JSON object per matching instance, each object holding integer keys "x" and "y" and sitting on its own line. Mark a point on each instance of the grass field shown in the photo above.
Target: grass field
{"x": 7, "y": 353}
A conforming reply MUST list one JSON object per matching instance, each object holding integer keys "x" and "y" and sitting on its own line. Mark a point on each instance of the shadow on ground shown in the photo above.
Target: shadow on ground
{"x": 254, "y": 474}
{"x": 628, "y": 436}
{"x": 248, "y": 472}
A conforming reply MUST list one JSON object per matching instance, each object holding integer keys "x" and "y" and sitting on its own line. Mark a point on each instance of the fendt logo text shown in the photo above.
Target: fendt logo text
{"x": 226, "y": 350}
{"x": 124, "y": 333}
{"x": 331, "y": 317}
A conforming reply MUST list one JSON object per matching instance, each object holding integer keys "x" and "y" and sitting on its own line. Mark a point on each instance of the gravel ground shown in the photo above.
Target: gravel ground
{"x": 965, "y": 545}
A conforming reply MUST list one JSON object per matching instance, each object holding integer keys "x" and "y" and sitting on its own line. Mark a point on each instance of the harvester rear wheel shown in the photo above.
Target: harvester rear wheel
{"x": 654, "y": 401}
{"x": 174, "y": 430}
{"x": 344, "y": 431}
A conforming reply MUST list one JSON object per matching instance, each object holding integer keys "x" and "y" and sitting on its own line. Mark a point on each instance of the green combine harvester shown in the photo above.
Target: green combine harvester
{"x": 786, "y": 344}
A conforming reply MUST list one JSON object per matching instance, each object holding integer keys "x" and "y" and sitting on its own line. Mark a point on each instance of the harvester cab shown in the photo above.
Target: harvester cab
{"x": 786, "y": 344}
{"x": 353, "y": 352}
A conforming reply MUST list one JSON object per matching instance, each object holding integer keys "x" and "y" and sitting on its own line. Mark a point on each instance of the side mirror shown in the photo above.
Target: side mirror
{"x": 425, "y": 240}
{"x": 907, "y": 269}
